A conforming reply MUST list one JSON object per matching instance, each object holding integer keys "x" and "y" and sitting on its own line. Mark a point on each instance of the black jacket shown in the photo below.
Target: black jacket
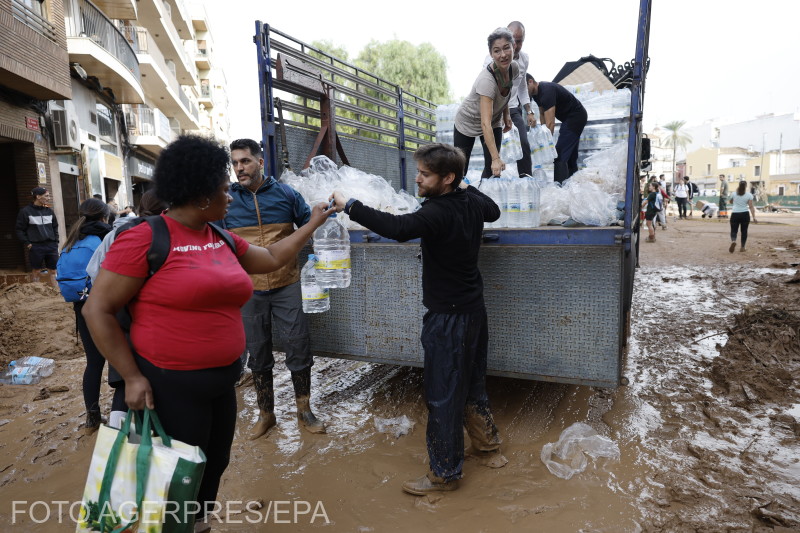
{"x": 451, "y": 228}
{"x": 37, "y": 225}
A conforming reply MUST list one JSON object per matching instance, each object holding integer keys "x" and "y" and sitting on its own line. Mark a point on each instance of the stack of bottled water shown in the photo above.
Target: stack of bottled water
{"x": 317, "y": 182}
{"x": 315, "y": 298}
{"x": 543, "y": 148}
{"x": 518, "y": 200}
{"x": 332, "y": 253}
{"x": 27, "y": 371}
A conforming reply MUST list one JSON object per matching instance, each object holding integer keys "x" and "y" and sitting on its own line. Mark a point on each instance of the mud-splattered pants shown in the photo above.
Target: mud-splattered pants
{"x": 456, "y": 347}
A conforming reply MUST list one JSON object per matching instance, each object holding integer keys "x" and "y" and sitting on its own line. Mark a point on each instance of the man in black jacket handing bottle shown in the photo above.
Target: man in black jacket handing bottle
{"x": 455, "y": 332}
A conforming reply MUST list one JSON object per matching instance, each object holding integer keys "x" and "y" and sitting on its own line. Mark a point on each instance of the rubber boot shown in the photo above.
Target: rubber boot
{"x": 265, "y": 398}
{"x": 93, "y": 420}
{"x": 302, "y": 392}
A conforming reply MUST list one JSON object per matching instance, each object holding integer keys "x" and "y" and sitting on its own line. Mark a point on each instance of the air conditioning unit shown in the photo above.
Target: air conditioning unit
{"x": 65, "y": 126}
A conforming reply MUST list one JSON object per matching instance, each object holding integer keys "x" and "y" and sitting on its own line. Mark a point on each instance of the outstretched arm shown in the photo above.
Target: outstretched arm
{"x": 258, "y": 260}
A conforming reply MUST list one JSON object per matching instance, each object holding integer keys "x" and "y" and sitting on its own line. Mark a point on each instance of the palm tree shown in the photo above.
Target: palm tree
{"x": 677, "y": 139}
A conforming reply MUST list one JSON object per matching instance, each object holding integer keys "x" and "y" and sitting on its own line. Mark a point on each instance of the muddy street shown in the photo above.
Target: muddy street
{"x": 708, "y": 429}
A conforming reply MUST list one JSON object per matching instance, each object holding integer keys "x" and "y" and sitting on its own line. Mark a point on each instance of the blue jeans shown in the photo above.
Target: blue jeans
{"x": 456, "y": 347}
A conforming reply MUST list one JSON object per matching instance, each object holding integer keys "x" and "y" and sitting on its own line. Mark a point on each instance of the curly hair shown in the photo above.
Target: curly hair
{"x": 190, "y": 169}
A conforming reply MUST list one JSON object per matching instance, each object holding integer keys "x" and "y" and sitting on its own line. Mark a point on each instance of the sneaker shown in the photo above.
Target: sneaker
{"x": 732, "y": 247}
{"x": 741, "y": 249}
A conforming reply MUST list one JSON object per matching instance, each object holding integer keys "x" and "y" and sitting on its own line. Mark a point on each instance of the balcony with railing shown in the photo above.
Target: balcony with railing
{"x": 159, "y": 80}
{"x": 102, "y": 50}
{"x": 157, "y": 16}
{"x": 148, "y": 127}
{"x": 32, "y": 19}
{"x": 206, "y": 96}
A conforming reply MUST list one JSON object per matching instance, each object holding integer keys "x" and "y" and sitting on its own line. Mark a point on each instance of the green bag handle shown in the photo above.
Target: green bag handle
{"x": 142, "y": 461}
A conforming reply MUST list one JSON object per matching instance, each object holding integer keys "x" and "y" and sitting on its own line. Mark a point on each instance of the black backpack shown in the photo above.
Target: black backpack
{"x": 158, "y": 252}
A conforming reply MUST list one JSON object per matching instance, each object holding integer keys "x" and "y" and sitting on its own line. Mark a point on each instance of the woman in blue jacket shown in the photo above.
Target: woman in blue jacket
{"x": 82, "y": 240}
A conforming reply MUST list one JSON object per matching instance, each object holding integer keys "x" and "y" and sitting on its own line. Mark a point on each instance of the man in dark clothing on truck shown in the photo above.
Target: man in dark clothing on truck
{"x": 455, "y": 333}
{"x": 555, "y": 102}
{"x": 37, "y": 228}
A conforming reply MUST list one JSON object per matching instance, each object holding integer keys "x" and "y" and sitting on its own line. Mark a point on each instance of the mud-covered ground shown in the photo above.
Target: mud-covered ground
{"x": 707, "y": 429}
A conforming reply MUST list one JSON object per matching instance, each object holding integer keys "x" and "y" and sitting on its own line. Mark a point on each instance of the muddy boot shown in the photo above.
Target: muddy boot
{"x": 93, "y": 420}
{"x": 265, "y": 398}
{"x": 427, "y": 484}
{"x": 302, "y": 392}
{"x": 483, "y": 436}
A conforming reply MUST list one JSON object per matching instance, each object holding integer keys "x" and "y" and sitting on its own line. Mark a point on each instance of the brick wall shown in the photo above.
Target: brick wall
{"x": 30, "y": 62}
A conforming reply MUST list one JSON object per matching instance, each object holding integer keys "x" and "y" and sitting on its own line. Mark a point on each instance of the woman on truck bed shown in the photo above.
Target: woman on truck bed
{"x": 484, "y": 112}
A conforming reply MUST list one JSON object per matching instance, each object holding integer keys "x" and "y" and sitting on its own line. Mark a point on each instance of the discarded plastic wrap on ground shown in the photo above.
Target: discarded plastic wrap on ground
{"x": 567, "y": 457}
{"x": 317, "y": 182}
{"x": 397, "y": 427}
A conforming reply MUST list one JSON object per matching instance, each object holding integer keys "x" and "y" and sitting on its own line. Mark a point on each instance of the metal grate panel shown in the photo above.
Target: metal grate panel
{"x": 554, "y": 311}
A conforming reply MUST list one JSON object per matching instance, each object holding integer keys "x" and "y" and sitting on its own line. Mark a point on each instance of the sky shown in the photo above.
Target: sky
{"x": 710, "y": 59}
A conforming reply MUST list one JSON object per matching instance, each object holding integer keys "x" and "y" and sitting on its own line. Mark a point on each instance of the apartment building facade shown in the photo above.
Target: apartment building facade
{"x": 34, "y": 68}
{"x": 128, "y": 84}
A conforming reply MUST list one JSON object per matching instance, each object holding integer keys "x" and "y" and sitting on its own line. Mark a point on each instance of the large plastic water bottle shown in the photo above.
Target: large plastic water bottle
{"x": 332, "y": 251}
{"x": 502, "y": 195}
{"x": 27, "y": 371}
{"x": 315, "y": 298}
{"x": 533, "y": 188}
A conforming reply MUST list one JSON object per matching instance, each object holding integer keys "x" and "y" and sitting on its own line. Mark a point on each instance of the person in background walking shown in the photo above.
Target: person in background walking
{"x": 691, "y": 187}
{"x": 723, "y": 197}
{"x": 681, "y": 192}
{"x": 650, "y": 204}
{"x": 37, "y": 228}
{"x": 742, "y": 202}
{"x": 87, "y": 232}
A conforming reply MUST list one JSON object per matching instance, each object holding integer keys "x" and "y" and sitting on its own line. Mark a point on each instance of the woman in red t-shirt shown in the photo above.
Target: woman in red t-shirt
{"x": 186, "y": 331}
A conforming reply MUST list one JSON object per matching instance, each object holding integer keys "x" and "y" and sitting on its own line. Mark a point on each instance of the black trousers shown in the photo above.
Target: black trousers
{"x": 740, "y": 220}
{"x": 456, "y": 348}
{"x": 681, "y": 206}
{"x": 567, "y": 146}
{"x": 198, "y": 407}
{"x": 95, "y": 362}
{"x": 465, "y": 143}
{"x": 524, "y": 165}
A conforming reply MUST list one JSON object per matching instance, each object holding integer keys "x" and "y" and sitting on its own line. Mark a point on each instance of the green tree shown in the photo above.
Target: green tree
{"x": 420, "y": 70}
{"x": 677, "y": 139}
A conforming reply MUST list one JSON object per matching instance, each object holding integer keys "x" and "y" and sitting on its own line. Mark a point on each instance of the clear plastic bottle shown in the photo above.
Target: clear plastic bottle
{"x": 332, "y": 251}
{"x": 525, "y": 202}
{"x": 315, "y": 299}
{"x": 22, "y": 374}
{"x": 514, "y": 195}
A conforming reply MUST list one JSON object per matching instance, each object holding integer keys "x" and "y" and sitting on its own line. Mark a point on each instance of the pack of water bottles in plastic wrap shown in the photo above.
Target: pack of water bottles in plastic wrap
{"x": 593, "y": 196}
{"x": 317, "y": 182}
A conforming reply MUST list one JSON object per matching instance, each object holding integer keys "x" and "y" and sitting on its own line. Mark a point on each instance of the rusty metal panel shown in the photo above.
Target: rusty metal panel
{"x": 554, "y": 311}
{"x": 295, "y": 71}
